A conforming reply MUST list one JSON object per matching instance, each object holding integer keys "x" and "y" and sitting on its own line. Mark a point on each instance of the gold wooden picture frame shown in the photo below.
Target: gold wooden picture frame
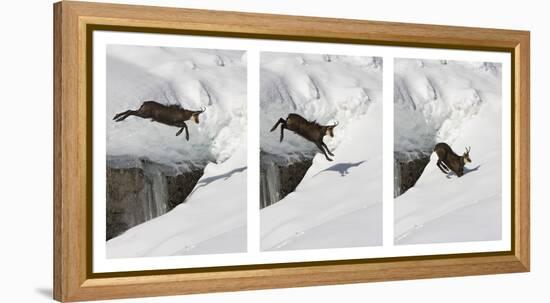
{"x": 74, "y": 23}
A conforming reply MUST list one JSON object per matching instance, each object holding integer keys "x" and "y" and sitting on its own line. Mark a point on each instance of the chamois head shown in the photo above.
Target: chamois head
{"x": 330, "y": 129}
{"x": 195, "y": 115}
{"x": 466, "y": 155}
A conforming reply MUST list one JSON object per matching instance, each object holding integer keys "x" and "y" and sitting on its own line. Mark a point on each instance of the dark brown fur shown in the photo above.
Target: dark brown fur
{"x": 309, "y": 130}
{"x": 172, "y": 115}
{"x": 449, "y": 160}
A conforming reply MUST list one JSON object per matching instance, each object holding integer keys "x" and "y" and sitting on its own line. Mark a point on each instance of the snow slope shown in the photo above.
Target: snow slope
{"x": 212, "y": 220}
{"x": 458, "y": 103}
{"x": 339, "y": 203}
{"x": 213, "y": 217}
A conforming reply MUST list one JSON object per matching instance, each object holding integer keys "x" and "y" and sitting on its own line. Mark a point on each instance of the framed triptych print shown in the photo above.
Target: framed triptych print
{"x": 202, "y": 151}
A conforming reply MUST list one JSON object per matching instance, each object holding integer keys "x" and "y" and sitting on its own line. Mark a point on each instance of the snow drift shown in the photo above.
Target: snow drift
{"x": 215, "y": 79}
{"x": 192, "y": 78}
{"x": 320, "y": 87}
{"x": 339, "y": 203}
{"x": 458, "y": 103}
{"x": 433, "y": 99}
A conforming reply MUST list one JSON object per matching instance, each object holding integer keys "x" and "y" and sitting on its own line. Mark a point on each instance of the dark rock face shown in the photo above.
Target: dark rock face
{"x": 407, "y": 171}
{"x": 124, "y": 188}
{"x": 292, "y": 175}
{"x": 139, "y": 194}
{"x": 279, "y": 178}
{"x": 180, "y": 186}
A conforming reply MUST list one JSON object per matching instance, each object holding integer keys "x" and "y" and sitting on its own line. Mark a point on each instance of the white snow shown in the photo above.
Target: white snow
{"x": 458, "y": 103}
{"x": 339, "y": 203}
{"x": 212, "y": 220}
{"x": 433, "y": 99}
{"x": 215, "y": 79}
{"x": 340, "y": 90}
{"x": 213, "y": 217}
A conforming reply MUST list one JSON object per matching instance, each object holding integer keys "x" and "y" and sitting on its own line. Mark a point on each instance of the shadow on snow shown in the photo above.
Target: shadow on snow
{"x": 224, "y": 176}
{"x": 466, "y": 171}
{"x": 342, "y": 168}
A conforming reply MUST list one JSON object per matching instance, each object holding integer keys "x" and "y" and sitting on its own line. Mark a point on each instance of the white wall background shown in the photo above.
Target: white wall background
{"x": 26, "y": 150}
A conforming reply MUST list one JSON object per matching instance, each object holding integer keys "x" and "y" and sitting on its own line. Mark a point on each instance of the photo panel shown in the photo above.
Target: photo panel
{"x": 175, "y": 148}
{"x": 320, "y": 151}
{"x": 447, "y": 151}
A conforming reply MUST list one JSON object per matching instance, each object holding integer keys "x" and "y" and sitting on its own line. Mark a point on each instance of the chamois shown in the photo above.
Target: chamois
{"x": 309, "y": 130}
{"x": 448, "y": 160}
{"x": 172, "y": 115}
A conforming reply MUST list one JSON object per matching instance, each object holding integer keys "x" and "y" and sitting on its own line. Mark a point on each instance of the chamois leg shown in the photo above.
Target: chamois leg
{"x": 121, "y": 116}
{"x": 442, "y": 167}
{"x": 281, "y": 120}
{"x": 326, "y": 148}
{"x": 118, "y": 115}
{"x": 283, "y": 125}
{"x": 282, "y": 133}
{"x": 184, "y": 127}
{"x": 319, "y": 146}
{"x": 445, "y": 166}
